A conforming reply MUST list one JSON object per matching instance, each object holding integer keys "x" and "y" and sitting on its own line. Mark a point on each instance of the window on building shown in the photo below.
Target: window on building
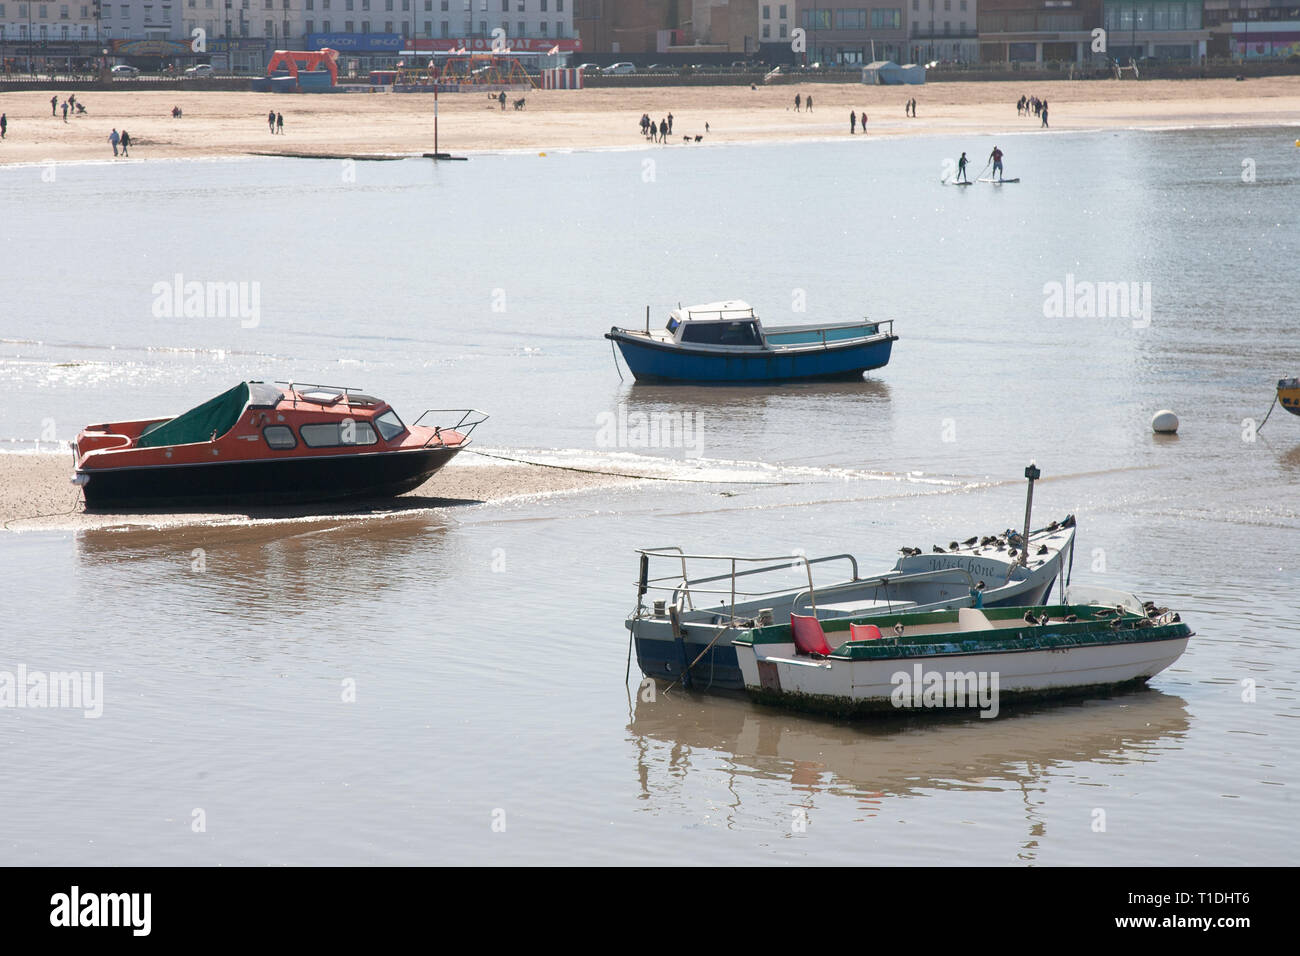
{"x": 446, "y": 28}
{"x": 767, "y": 31}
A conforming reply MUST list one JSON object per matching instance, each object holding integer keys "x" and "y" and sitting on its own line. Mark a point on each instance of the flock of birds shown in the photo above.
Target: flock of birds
{"x": 1009, "y": 541}
{"x": 1154, "y": 616}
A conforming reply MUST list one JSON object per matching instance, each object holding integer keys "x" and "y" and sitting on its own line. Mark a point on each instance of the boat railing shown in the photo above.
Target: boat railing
{"x": 299, "y": 388}
{"x": 747, "y": 313}
{"x": 470, "y": 418}
{"x": 683, "y": 589}
{"x": 884, "y": 580}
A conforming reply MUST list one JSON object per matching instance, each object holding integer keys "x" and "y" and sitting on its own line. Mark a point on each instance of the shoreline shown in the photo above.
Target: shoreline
{"x": 389, "y": 126}
{"x": 35, "y": 495}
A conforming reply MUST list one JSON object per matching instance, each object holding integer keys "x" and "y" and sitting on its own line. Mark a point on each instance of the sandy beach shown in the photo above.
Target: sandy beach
{"x": 218, "y": 124}
{"x": 35, "y": 495}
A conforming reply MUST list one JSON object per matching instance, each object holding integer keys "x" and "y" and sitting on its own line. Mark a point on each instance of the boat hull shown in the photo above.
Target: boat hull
{"x": 656, "y": 362}
{"x": 777, "y": 675}
{"x": 264, "y": 481}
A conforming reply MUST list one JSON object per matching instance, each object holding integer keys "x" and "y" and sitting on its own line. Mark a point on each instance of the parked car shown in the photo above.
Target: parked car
{"x": 590, "y": 68}
{"x": 619, "y": 69}
{"x": 125, "y": 69}
{"x": 202, "y": 69}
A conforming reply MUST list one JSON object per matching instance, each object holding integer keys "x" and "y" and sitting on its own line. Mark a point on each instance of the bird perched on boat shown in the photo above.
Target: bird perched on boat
{"x": 1154, "y": 612}
{"x": 1030, "y": 618}
{"x": 1105, "y": 612}
{"x": 971, "y": 540}
{"x": 938, "y": 550}
{"x": 1013, "y": 552}
{"x": 952, "y": 545}
{"x": 1071, "y": 618}
{"x": 1145, "y": 622}
{"x": 1042, "y": 549}
{"x": 1053, "y": 526}
{"x": 898, "y": 629}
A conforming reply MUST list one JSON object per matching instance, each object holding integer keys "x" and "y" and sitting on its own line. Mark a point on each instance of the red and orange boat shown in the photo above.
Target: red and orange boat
{"x": 267, "y": 444}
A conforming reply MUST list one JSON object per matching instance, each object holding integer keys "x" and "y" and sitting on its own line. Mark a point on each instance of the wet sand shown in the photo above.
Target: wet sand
{"x": 35, "y": 495}
{"x": 222, "y": 124}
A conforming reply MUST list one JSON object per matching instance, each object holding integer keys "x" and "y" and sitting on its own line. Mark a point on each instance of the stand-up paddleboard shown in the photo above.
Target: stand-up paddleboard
{"x": 999, "y": 182}
{"x": 954, "y": 183}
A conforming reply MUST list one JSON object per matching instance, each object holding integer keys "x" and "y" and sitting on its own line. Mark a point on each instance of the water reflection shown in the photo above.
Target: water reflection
{"x": 874, "y": 762}
{"x": 287, "y": 567}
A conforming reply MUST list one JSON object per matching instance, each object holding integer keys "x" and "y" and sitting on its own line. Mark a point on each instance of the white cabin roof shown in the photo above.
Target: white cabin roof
{"x": 725, "y": 310}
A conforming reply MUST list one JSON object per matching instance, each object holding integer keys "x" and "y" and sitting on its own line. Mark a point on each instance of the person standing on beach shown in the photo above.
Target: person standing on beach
{"x": 126, "y": 142}
{"x": 663, "y": 131}
{"x": 797, "y": 101}
{"x": 113, "y": 138}
{"x": 72, "y": 103}
{"x": 913, "y": 107}
{"x": 961, "y": 170}
{"x": 1044, "y": 126}
{"x": 996, "y": 157}
{"x": 853, "y": 122}
{"x": 65, "y": 111}
{"x": 501, "y": 98}
{"x": 4, "y": 125}
{"x": 270, "y": 120}
{"x": 54, "y": 106}
{"x": 279, "y": 123}
{"x": 670, "y": 124}
{"x": 808, "y": 102}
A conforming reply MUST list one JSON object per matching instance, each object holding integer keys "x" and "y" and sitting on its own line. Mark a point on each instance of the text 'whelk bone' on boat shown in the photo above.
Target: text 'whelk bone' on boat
{"x": 263, "y": 443}
{"x": 699, "y": 602}
{"x": 725, "y": 342}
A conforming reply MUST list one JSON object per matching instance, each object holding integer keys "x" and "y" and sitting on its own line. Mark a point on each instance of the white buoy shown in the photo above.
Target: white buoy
{"x": 1164, "y": 422}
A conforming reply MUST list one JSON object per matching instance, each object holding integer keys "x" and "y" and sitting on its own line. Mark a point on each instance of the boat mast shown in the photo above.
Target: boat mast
{"x": 1032, "y": 473}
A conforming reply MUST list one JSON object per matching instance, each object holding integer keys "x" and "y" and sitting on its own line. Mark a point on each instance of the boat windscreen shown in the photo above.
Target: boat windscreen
{"x": 722, "y": 333}
{"x": 214, "y": 417}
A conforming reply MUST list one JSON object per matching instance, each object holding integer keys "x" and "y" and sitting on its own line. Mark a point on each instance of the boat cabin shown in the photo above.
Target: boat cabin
{"x": 731, "y": 323}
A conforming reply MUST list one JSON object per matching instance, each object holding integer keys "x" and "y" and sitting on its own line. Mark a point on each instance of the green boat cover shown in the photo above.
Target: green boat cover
{"x": 216, "y": 416}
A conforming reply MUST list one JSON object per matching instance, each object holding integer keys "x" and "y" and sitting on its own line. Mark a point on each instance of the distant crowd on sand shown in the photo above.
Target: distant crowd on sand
{"x": 1027, "y": 103}
{"x": 659, "y": 132}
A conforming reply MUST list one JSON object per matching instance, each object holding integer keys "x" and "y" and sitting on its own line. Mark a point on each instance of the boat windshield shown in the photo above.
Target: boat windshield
{"x": 722, "y": 333}
{"x": 389, "y": 425}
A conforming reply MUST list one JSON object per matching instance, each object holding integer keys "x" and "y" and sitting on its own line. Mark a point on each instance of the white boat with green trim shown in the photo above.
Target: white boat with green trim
{"x": 961, "y": 659}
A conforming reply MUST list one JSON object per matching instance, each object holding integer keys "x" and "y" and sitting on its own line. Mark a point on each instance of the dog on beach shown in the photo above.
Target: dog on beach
{"x": 519, "y": 103}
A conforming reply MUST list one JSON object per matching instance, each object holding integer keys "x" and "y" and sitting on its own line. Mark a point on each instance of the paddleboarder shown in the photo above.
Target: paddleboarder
{"x": 996, "y": 157}
{"x": 961, "y": 170}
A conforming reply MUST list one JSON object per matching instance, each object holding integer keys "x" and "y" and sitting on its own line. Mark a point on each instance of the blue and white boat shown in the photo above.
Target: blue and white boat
{"x": 726, "y": 342}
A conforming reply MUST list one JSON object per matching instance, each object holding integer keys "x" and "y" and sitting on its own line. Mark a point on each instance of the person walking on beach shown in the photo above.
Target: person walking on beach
{"x": 54, "y": 106}
{"x": 663, "y": 131}
{"x": 853, "y": 122}
{"x": 65, "y": 111}
{"x": 961, "y": 170}
{"x": 501, "y": 98}
{"x": 4, "y": 125}
{"x": 126, "y": 142}
{"x": 1044, "y": 126}
{"x": 670, "y": 124}
{"x": 72, "y": 103}
{"x": 270, "y": 120}
{"x": 913, "y": 107}
{"x": 996, "y": 157}
{"x": 279, "y": 123}
{"x": 797, "y": 101}
{"x": 113, "y": 138}
{"x": 807, "y": 100}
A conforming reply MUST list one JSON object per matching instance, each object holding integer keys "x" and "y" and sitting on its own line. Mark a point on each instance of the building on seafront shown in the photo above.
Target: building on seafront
{"x": 1037, "y": 31}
